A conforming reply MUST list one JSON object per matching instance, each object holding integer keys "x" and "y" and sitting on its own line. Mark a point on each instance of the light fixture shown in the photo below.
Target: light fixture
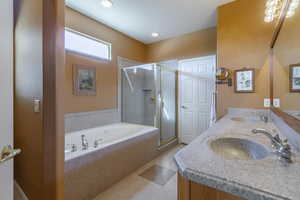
{"x": 155, "y": 34}
{"x": 107, "y": 3}
{"x": 274, "y": 8}
{"x": 293, "y": 6}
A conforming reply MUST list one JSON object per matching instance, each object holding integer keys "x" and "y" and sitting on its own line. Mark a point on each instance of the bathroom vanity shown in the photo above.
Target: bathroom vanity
{"x": 230, "y": 162}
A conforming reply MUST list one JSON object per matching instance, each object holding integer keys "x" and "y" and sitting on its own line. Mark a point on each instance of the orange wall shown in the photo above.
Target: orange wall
{"x": 286, "y": 52}
{"x": 39, "y": 74}
{"x": 243, "y": 41}
{"x": 28, "y": 127}
{"x": 106, "y": 71}
{"x": 200, "y": 43}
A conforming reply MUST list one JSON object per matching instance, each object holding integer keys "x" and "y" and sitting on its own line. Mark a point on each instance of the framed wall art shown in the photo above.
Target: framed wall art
{"x": 84, "y": 79}
{"x": 295, "y": 78}
{"x": 244, "y": 81}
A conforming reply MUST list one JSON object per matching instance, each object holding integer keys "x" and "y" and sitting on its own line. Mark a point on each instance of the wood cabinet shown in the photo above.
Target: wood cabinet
{"x": 188, "y": 190}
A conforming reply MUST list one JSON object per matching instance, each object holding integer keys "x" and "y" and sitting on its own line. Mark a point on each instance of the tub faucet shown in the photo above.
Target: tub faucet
{"x": 283, "y": 149}
{"x": 97, "y": 142}
{"x": 84, "y": 142}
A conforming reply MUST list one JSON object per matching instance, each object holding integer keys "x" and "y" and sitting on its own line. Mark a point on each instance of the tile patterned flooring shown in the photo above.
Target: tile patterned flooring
{"x": 157, "y": 174}
{"x": 136, "y": 187}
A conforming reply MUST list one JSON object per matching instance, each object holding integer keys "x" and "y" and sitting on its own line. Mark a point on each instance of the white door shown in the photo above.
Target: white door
{"x": 6, "y": 96}
{"x": 196, "y": 96}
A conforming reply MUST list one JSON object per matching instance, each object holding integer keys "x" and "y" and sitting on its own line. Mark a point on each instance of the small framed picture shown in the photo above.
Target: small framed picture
{"x": 84, "y": 79}
{"x": 244, "y": 81}
{"x": 295, "y": 78}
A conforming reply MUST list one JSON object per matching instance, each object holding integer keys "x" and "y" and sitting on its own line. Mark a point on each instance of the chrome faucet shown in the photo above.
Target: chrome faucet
{"x": 264, "y": 118}
{"x": 97, "y": 142}
{"x": 84, "y": 142}
{"x": 73, "y": 147}
{"x": 283, "y": 149}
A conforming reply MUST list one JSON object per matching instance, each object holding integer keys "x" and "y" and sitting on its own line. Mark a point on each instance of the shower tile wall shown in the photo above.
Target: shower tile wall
{"x": 86, "y": 120}
{"x": 149, "y": 97}
{"x": 133, "y": 98}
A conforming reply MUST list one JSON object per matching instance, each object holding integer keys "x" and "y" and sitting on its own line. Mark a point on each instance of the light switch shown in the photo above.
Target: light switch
{"x": 36, "y": 105}
{"x": 267, "y": 103}
{"x": 276, "y": 103}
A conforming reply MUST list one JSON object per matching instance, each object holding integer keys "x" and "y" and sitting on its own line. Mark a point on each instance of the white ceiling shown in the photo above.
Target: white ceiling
{"x": 139, "y": 18}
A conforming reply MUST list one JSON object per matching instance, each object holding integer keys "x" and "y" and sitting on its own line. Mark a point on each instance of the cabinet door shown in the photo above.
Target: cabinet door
{"x": 188, "y": 190}
{"x": 202, "y": 192}
{"x": 183, "y": 187}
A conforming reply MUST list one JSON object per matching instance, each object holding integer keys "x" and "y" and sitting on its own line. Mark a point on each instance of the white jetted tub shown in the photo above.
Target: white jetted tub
{"x": 97, "y": 158}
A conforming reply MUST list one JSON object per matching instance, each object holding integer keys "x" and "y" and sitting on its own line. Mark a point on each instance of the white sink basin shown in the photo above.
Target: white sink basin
{"x": 238, "y": 149}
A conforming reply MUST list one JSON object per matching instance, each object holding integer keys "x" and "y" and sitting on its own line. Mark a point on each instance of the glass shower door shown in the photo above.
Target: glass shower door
{"x": 138, "y": 95}
{"x": 168, "y": 97}
{"x": 149, "y": 98}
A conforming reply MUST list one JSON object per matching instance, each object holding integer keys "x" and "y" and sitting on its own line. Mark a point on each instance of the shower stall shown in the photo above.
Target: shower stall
{"x": 149, "y": 97}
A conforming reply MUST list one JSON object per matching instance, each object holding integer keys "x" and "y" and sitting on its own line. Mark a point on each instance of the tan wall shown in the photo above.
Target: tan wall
{"x": 28, "y": 130}
{"x": 39, "y": 74}
{"x": 106, "y": 71}
{"x": 243, "y": 41}
{"x": 200, "y": 43}
{"x": 286, "y": 52}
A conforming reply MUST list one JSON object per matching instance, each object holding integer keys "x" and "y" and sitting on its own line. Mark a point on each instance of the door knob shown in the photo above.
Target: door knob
{"x": 8, "y": 153}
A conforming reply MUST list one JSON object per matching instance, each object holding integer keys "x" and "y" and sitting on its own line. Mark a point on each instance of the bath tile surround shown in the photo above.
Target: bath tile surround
{"x": 86, "y": 120}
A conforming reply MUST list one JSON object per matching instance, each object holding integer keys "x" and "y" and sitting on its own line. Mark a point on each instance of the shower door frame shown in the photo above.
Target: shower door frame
{"x": 160, "y": 108}
{"x": 157, "y": 95}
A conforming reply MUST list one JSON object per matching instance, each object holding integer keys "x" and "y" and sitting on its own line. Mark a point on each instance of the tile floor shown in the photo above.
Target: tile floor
{"x": 136, "y": 187}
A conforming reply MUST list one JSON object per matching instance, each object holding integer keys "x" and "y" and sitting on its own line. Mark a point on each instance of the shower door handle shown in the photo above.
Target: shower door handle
{"x": 184, "y": 107}
{"x": 152, "y": 100}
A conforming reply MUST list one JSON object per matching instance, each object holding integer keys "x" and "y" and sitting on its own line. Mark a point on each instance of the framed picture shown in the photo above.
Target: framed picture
{"x": 244, "y": 81}
{"x": 295, "y": 78}
{"x": 84, "y": 80}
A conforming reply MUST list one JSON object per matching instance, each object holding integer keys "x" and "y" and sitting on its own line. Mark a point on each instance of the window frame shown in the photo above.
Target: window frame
{"x": 92, "y": 38}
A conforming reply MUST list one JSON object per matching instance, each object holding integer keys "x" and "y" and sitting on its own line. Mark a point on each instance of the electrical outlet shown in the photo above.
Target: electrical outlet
{"x": 276, "y": 103}
{"x": 267, "y": 103}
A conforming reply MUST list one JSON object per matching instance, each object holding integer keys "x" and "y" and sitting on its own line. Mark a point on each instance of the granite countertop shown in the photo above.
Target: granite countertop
{"x": 267, "y": 179}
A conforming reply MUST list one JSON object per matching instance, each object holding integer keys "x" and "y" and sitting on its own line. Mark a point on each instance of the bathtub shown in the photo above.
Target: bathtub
{"x": 113, "y": 152}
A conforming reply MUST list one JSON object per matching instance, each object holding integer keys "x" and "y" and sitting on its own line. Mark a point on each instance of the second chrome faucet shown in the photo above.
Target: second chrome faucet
{"x": 84, "y": 142}
{"x": 282, "y": 148}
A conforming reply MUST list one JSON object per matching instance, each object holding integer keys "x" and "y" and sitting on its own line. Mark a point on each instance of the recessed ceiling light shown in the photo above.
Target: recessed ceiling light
{"x": 107, "y": 3}
{"x": 155, "y": 34}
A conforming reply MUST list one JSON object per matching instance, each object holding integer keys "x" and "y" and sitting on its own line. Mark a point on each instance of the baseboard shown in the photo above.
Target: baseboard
{"x": 18, "y": 192}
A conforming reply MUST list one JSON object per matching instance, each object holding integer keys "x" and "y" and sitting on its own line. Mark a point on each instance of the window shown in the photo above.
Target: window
{"x": 86, "y": 45}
